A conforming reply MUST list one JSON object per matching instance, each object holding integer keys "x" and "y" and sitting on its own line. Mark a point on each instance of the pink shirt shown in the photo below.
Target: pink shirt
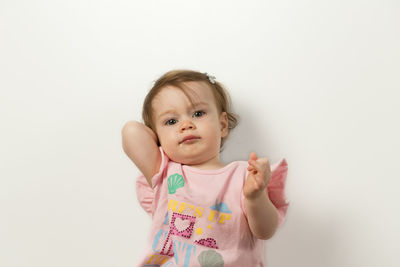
{"x": 198, "y": 216}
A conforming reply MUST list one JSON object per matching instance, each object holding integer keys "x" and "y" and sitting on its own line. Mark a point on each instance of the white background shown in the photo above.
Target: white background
{"x": 315, "y": 82}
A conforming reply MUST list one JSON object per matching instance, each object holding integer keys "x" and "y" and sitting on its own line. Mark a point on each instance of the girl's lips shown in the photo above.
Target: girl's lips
{"x": 190, "y": 138}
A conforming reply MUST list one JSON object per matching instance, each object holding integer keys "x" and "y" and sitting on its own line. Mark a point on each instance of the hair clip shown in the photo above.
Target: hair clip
{"x": 210, "y": 78}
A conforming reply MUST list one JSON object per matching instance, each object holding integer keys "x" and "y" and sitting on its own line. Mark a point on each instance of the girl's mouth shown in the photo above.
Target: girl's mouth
{"x": 190, "y": 139}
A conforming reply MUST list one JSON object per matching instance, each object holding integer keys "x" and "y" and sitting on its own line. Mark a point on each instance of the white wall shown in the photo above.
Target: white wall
{"x": 315, "y": 82}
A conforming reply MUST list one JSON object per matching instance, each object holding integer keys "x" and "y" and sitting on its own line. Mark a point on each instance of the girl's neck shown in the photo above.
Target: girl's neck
{"x": 212, "y": 164}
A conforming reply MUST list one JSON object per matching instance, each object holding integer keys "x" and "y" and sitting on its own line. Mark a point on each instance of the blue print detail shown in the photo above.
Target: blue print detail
{"x": 156, "y": 240}
{"x": 182, "y": 249}
{"x": 221, "y": 207}
{"x": 175, "y": 252}
{"x": 166, "y": 219}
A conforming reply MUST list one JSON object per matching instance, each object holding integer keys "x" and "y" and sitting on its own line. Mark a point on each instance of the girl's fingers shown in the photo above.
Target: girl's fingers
{"x": 260, "y": 165}
{"x": 255, "y": 164}
{"x": 250, "y": 168}
{"x": 253, "y": 156}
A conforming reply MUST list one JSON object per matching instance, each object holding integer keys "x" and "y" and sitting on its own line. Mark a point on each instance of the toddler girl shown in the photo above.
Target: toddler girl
{"x": 204, "y": 212}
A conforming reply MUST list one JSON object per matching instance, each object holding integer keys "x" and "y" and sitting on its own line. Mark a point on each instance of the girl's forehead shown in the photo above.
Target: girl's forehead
{"x": 190, "y": 93}
{"x": 172, "y": 99}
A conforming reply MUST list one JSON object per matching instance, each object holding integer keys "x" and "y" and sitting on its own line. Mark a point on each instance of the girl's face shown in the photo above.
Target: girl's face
{"x": 175, "y": 119}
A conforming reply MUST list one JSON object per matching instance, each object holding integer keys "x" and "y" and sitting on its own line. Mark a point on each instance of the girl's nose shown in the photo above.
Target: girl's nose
{"x": 187, "y": 124}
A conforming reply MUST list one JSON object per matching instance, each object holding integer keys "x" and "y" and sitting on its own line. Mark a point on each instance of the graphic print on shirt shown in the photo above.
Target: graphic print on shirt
{"x": 180, "y": 225}
{"x": 175, "y": 181}
{"x": 187, "y": 221}
{"x": 210, "y": 258}
{"x": 190, "y": 222}
{"x": 223, "y": 213}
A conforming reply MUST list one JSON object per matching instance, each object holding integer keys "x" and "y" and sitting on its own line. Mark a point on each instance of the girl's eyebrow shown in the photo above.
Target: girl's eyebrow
{"x": 166, "y": 112}
{"x": 173, "y": 111}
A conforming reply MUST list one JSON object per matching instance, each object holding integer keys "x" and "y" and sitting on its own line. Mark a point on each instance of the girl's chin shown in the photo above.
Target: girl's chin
{"x": 185, "y": 159}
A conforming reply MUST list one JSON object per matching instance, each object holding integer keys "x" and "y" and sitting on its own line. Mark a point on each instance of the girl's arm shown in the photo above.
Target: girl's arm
{"x": 140, "y": 145}
{"x": 261, "y": 213}
{"x": 262, "y": 216}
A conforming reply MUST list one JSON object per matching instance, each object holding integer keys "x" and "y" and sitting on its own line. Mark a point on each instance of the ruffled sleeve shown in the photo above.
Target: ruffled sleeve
{"x": 144, "y": 193}
{"x": 276, "y": 189}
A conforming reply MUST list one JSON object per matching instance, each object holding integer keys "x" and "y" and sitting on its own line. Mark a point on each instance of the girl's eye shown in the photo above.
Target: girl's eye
{"x": 170, "y": 122}
{"x": 199, "y": 113}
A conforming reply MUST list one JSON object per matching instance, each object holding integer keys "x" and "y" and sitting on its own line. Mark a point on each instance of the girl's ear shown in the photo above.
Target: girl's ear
{"x": 223, "y": 118}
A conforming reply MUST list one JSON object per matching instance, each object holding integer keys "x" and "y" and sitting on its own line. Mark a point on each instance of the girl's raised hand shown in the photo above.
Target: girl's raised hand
{"x": 258, "y": 176}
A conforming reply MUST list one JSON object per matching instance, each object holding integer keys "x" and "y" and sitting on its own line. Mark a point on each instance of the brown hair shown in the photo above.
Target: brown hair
{"x": 176, "y": 78}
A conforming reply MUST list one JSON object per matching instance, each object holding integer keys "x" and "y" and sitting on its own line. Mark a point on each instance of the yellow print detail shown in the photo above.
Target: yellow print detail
{"x": 157, "y": 259}
{"x": 180, "y": 207}
{"x": 220, "y": 217}
{"x": 183, "y": 207}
